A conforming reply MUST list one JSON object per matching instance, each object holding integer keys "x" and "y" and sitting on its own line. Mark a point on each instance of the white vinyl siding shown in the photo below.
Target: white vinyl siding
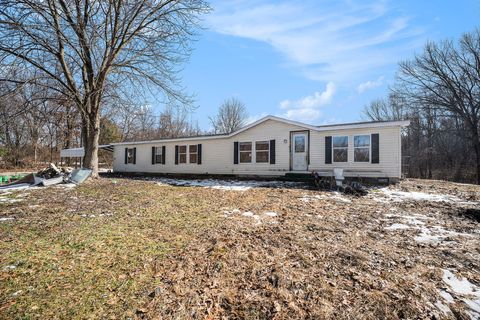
{"x": 217, "y": 154}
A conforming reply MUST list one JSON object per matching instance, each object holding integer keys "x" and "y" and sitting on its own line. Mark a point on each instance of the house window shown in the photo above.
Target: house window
{"x": 299, "y": 144}
{"x": 262, "y": 150}
{"x": 130, "y": 152}
{"x": 158, "y": 155}
{"x": 192, "y": 150}
{"x": 340, "y": 149}
{"x": 245, "y": 149}
{"x": 361, "y": 148}
{"x": 182, "y": 154}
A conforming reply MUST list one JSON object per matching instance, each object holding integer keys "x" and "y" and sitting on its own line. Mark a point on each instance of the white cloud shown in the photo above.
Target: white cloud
{"x": 308, "y": 108}
{"x": 371, "y": 84}
{"x": 306, "y": 115}
{"x": 327, "y": 40}
{"x": 316, "y": 100}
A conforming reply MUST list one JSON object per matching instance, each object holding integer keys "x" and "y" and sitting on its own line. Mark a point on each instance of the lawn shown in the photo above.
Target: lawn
{"x": 122, "y": 248}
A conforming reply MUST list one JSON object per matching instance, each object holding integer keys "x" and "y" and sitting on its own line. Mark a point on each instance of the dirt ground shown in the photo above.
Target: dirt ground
{"x": 121, "y": 248}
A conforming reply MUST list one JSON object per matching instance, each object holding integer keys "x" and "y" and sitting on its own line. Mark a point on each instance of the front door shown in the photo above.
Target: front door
{"x": 299, "y": 151}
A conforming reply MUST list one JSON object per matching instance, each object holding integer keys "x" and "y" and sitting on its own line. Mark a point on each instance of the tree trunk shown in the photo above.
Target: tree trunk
{"x": 477, "y": 158}
{"x": 91, "y": 135}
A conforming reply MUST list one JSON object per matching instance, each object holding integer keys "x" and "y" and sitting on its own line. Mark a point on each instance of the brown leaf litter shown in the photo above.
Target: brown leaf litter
{"x": 135, "y": 249}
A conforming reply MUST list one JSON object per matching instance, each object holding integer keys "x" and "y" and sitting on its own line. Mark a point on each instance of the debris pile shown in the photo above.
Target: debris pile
{"x": 337, "y": 182}
{"x": 48, "y": 177}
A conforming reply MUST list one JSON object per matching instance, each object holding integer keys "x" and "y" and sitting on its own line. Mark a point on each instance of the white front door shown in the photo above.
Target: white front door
{"x": 299, "y": 151}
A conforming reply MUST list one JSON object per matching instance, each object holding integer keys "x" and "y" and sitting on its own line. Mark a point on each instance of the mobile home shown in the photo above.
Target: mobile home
{"x": 272, "y": 146}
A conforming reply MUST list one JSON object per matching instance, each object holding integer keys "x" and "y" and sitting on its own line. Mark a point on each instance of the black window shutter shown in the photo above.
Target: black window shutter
{"x": 153, "y": 155}
{"x": 163, "y": 154}
{"x": 126, "y": 155}
{"x": 235, "y": 152}
{"x": 176, "y": 154}
{"x": 134, "y": 155}
{"x": 375, "y": 148}
{"x": 328, "y": 149}
{"x": 272, "y": 151}
{"x": 199, "y": 154}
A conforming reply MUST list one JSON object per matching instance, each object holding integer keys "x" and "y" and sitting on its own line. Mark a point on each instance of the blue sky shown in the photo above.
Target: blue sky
{"x": 313, "y": 61}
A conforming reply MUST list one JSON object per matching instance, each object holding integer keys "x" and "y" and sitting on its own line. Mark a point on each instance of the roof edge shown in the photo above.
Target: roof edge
{"x": 358, "y": 125}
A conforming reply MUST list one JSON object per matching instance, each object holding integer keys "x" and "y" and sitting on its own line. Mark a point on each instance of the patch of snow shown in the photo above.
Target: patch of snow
{"x": 436, "y": 234}
{"x": 447, "y": 296}
{"x": 335, "y": 195}
{"x": 230, "y": 185}
{"x": 460, "y": 285}
{"x": 442, "y": 307}
{"x": 468, "y": 292}
{"x": 390, "y": 195}
{"x": 16, "y": 293}
{"x": 427, "y": 234}
{"x": 249, "y": 214}
{"x": 397, "y": 226}
{"x": 66, "y": 185}
{"x": 6, "y": 219}
{"x": 414, "y": 220}
{"x": 9, "y": 267}
{"x": 339, "y": 197}
{"x": 270, "y": 214}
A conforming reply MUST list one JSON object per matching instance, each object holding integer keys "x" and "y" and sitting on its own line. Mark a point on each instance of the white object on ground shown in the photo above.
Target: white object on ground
{"x": 399, "y": 196}
{"x": 335, "y": 195}
{"x": 397, "y": 226}
{"x": 468, "y": 292}
{"x": 436, "y": 234}
{"x": 232, "y": 185}
{"x": 442, "y": 307}
{"x": 270, "y": 214}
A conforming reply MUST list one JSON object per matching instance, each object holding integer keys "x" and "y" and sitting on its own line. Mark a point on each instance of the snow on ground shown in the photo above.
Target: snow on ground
{"x": 392, "y": 195}
{"x": 257, "y": 218}
{"x": 233, "y": 185}
{"x": 397, "y": 226}
{"x": 461, "y": 289}
{"x": 436, "y": 234}
{"x": 427, "y": 233}
{"x": 333, "y": 195}
{"x": 270, "y": 214}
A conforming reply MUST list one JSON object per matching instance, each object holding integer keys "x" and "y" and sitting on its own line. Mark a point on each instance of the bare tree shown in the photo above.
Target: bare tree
{"x": 84, "y": 48}
{"x": 446, "y": 78}
{"x": 392, "y": 108}
{"x": 231, "y": 116}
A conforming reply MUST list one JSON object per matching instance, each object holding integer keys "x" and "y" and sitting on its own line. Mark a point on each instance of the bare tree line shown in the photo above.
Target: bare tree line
{"x": 37, "y": 126}
{"x": 87, "y": 51}
{"x": 439, "y": 91}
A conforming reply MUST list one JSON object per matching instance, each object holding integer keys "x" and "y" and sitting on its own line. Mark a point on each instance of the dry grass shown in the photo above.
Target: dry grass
{"x": 134, "y": 249}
